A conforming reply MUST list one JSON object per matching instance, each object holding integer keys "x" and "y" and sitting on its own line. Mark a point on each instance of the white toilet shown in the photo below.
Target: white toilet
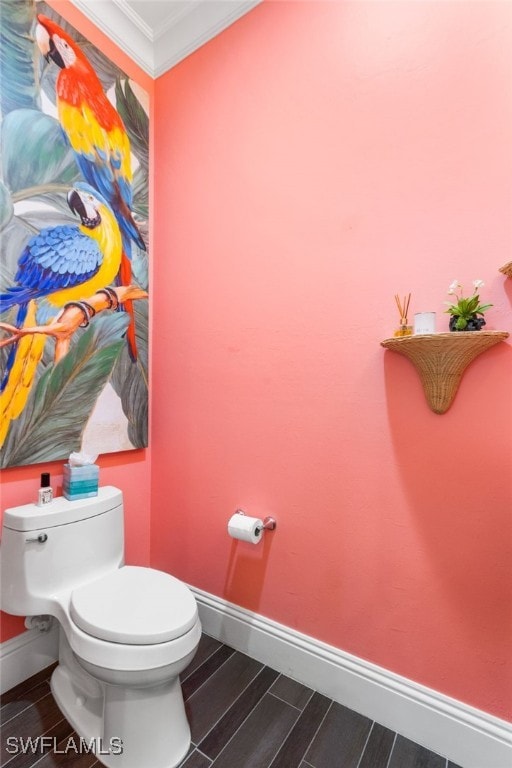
{"x": 126, "y": 632}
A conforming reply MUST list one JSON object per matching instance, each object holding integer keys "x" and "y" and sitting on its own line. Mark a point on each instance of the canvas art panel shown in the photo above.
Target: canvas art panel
{"x": 74, "y": 215}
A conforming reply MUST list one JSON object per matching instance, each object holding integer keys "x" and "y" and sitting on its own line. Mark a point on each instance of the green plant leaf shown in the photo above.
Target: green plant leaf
{"x": 140, "y": 188}
{"x": 34, "y": 151}
{"x": 135, "y": 121}
{"x": 52, "y": 422}
{"x": 6, "y": 206}
{"x": 53, "y": 195}
{"x": 140, "y": 269}
{"x": 472, "y": 304}
{"x": 14, "y": 238}
{"x": 130, "y": 380}
{"x": 18, "y": 87}
{"x": 39, "y": 220}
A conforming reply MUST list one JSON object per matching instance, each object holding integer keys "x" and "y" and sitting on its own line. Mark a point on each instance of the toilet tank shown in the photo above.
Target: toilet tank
{"x": 49, "y": 550}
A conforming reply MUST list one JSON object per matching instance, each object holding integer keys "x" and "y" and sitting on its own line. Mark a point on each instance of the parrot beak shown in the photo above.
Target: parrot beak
{"x": 89, "y": 214}
{"x": 55, "y": 55}
{"x": 76, "y": 204}
{"x": 47, "y": 46}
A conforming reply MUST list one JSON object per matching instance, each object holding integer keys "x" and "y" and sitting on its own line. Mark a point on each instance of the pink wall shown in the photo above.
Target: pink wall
{"x": 128, "y": 470}
{"x": 314, "y": 160}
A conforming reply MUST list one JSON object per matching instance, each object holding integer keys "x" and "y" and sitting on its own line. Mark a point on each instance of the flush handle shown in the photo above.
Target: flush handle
{"x": 40, "y": 539}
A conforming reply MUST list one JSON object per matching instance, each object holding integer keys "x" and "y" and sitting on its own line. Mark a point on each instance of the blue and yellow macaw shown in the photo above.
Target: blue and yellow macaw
{"x": 98, "y": 138}
{"x": 62, "y": 265}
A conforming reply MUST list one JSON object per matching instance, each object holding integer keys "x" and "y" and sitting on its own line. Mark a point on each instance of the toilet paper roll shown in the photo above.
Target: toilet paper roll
{"x": 245, "y": 528}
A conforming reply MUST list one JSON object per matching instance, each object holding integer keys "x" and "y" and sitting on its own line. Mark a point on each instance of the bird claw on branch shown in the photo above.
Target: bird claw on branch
{"x": 71, "y": 317}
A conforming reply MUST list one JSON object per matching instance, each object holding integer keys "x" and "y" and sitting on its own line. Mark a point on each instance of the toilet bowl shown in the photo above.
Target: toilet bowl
{"x": 132, "y": 631}
{"x": 126, "y": 632}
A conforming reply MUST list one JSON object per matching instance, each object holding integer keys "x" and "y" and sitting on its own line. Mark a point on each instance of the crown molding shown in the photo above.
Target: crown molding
{"x": 134, "y": 17}
{"x": 185, "y": 29}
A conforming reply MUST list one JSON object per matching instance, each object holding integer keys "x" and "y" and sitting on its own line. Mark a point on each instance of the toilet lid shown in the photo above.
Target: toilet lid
{"x": 134, "y": 605}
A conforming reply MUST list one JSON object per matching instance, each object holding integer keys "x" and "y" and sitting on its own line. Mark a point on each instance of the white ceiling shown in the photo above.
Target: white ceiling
{"x": 157, "y": 34}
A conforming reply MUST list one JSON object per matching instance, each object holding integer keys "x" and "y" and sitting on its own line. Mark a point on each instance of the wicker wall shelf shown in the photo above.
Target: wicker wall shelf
{"x": 442, "y": 358}
{"x": 507, "y": 269}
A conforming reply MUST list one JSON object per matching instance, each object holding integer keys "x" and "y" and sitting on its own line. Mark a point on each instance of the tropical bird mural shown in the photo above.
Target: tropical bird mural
{"x": 61, "y": 265}
{"x": 97, "y": 135}
{"x": 76, "y": 118}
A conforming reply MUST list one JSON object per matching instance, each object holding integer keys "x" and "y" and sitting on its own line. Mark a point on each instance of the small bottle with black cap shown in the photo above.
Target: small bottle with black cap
{"x": 45, "y": 493}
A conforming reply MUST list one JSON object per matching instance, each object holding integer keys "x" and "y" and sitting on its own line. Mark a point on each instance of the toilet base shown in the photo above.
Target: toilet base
{"x": 125, "y": 727}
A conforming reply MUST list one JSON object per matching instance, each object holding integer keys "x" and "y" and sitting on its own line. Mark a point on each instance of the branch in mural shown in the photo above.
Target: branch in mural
{"x": 72, "y": 317}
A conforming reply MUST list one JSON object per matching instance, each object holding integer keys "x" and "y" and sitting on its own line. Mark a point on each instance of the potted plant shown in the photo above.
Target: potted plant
{"x": 467, "y": 314}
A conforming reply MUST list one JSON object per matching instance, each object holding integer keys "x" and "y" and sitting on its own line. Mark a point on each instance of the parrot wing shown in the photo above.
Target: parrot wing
{"x": 103, "y": 156}
{"x": 56, "y": 258}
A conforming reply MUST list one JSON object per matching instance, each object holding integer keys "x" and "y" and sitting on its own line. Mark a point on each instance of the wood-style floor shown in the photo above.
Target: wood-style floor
{"x": 242, "y": 714}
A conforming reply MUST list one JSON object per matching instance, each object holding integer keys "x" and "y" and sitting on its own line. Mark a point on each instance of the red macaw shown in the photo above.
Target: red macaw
{"x": 98, "y": 138}
{"x": 60, "y": 265}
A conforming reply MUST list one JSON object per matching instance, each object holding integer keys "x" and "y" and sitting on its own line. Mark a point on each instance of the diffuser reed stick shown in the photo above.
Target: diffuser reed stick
{"x": 403, "y": 310}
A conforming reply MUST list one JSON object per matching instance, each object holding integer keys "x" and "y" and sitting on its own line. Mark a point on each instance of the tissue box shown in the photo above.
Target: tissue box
{"x": 81, "y": 482}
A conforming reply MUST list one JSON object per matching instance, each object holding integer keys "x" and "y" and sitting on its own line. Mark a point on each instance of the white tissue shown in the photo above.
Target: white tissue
{"x": 81, "y": 459}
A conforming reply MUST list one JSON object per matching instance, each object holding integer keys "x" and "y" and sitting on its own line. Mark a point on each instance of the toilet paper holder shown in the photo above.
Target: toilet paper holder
{"x": 269, "y": 523}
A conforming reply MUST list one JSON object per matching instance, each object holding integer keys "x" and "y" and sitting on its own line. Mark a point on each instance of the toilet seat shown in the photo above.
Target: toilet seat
{"x": 134, "y": 606}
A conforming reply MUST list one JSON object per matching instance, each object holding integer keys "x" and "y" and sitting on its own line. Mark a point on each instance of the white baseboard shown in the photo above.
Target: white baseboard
{"x": 24, "y": 655}
{"x": 468, "y": 736}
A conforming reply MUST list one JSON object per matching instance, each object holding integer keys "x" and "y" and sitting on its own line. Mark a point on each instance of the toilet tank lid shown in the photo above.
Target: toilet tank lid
{"x": 61, "y": 511}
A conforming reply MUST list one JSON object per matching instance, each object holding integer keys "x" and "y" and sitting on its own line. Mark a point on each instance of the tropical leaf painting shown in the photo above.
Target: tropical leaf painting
{"x": 74, "y": 258}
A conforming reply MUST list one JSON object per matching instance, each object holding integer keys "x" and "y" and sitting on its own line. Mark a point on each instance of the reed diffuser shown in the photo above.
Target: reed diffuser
{"x": 403, "y": 309}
